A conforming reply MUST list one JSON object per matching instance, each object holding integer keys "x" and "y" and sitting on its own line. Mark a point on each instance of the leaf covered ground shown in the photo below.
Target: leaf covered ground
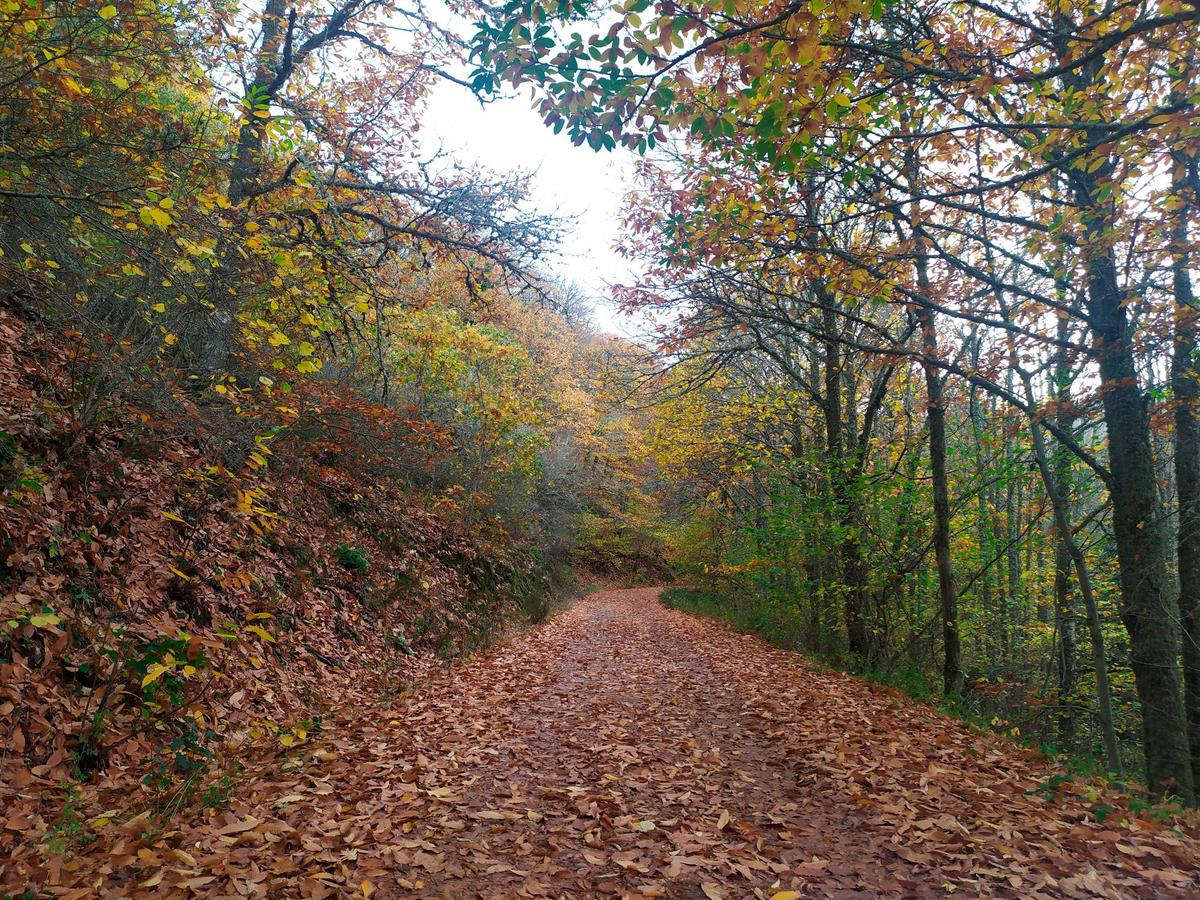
{"x": 626, "y": 749}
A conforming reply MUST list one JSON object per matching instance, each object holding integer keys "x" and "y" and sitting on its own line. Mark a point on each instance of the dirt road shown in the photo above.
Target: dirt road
{"x": 624, "y": 749}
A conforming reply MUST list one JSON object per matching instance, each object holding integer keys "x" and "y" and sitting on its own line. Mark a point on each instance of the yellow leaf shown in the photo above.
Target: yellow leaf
{"x": 261, "y": 632}
{"x": 153, "y": 673}
{"x": 786, "y": 895}
{"x": 172, "y": 517}
{"x": 120, "y": 81}
{"x": 107, "y": 12}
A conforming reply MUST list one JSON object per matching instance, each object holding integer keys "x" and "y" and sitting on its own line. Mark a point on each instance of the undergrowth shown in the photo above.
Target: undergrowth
{"x": 785, "y": 628}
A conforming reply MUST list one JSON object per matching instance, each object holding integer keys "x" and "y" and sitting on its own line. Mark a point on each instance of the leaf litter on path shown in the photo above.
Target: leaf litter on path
{"x": 628, "y": 750}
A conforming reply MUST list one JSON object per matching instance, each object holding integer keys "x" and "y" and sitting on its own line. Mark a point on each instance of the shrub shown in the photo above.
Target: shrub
{"x": 352, "y": 559}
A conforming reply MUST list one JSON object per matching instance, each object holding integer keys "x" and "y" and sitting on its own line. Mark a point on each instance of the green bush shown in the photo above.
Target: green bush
{"x": 774, "y": 623}
{"x": 352, "y": 559}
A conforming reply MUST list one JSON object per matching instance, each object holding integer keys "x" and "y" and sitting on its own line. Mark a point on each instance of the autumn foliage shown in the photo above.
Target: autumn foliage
{"x": 291, "y": 410}
{"x": 287, "y": 411}
{"x": 929, "y": 271}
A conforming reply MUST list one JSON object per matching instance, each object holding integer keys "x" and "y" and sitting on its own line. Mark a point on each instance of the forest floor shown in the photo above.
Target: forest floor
{"x": 625, "y": 749}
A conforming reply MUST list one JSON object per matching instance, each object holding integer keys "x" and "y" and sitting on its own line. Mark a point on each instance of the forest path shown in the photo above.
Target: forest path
{"x": 625, "y": 749}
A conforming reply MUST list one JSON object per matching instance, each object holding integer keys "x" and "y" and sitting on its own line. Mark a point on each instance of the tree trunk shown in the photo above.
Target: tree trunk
{"x": 1185, "y": 382}
{"x": 983, "y": 517}
{"x": 1185, "y": 373}
{"x": 217, "y": 346}
{"x": 852, "y": 566}
{"x": 1064, "y": 606}
{"x": 1063, "y": 527}
{"x": 247, "y": 158}
{"x": 1064, "y": 618}
{"x": 1147, "y": 606}
{"x": 952, "y": 677}
{"x": 1056, "y": 483}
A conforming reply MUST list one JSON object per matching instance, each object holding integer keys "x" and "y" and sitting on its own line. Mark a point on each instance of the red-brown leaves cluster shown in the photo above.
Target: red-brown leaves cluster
{"x": 135, "y": 527}
{"x": 627, "y": 750}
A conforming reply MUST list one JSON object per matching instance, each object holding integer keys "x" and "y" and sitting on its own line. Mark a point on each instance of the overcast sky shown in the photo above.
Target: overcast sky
{"x": 575, "y": 181}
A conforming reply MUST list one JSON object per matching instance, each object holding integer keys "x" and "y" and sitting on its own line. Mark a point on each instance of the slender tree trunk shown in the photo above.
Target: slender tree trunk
{"x": 952, "y": 676}
{"x": 1064, "y": 605}
{"x": 852, "y": 565}
{"x": 1056, "y": 483}
{"x": 1067, "y": 540}
{"x": 996, "y": 632}
{"x": 1010, "y": 559}
{"x": 1015, "y": 526}
{"x": 983, "y": 516}
{"x": 1064, "y": 615}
